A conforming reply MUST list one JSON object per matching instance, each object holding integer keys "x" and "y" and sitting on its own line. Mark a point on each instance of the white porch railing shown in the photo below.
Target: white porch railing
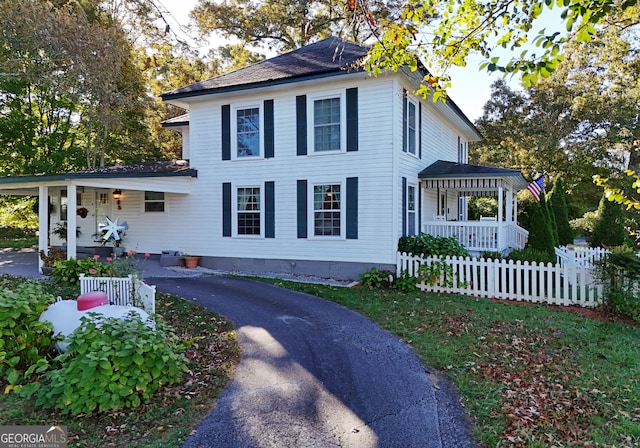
{"x": 501, "y": 279}
{"x": 480, "y": 236}
{"x": 122, "y": 291}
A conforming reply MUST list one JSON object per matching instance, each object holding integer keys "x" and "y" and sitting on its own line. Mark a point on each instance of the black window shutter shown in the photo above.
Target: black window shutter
{"x": 404, "y": 120}
{"x": 352, "y": 208}
{"x": 269, "y": 135}
{"x": 419, "y": 209}
{"x": 404, "y": 206}
{"x": 269, "y": 210}
{"x": 420, "y": 130}
{"x": 226, "y": 209}
{"x": 301, "y": 124}
{"x": 302, "y": 209}
{"x": 352, "y": 119}
{"x": 226, "y": 132}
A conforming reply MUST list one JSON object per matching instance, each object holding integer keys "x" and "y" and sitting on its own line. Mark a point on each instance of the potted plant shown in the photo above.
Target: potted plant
{"x": 48, "y": 260}
{"x": 191, "y": 261}
{"x": 61, "y": 231}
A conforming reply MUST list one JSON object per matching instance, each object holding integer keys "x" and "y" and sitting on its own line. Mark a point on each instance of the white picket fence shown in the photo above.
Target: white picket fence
{"x": 505, "y": 279}
{"x": 126, "y": 291}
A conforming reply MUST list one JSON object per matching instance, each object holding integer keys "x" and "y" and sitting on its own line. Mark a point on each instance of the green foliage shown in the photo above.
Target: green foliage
{"x": 530, "y": 254}
{"x": 436, "y": 273}
{"x": 68, "y": 272}
{"x": 25, "y": 343}
{"x": 55, "y": 254}
{"x": 619, "y": 271}
{"x": 428, "y": 245}
{"x": 17, "y": 237}
{"x": 482, "y": 207}
{"x": 18, "y": 212}
{"x": 608, "y": 229}
{"x": 559, "y": 210}
{"x": 540, "y": 233}
{"x": 584, "y": 225}
{"x": 405, "y": 283}
{"x": 113, "y": 364}
{"x": 376, "y": 278}
{"x": 488, "y": 255}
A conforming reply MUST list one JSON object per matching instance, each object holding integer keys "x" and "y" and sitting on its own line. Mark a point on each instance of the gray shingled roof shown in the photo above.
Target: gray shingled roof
{"x": 441, "y": 169}
{"x": 180, "y": 120}
{"x": 325, "y": 58}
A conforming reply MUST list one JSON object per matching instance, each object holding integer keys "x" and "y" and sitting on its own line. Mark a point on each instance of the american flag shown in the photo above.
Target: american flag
{"x": 536, "y": 187}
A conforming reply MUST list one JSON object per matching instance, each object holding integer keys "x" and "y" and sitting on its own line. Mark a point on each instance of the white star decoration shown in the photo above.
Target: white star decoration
{"x": 113, "y": 229}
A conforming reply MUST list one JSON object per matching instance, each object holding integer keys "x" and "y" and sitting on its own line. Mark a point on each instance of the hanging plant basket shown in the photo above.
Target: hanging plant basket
{"x": 82, "y": 212}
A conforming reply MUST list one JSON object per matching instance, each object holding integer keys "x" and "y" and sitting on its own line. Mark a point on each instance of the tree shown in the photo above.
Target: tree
{"x": 442, "y": 33}
{"x": 608, "y": 230}
{"x": 540, "y": 233}
{"x": 559, "y": 209}
{"x": 284, "y": 26}
{"x": 70, "y": 89}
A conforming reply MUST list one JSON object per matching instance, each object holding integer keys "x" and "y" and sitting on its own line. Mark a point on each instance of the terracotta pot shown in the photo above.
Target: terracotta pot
{"x": 191, "y": 262}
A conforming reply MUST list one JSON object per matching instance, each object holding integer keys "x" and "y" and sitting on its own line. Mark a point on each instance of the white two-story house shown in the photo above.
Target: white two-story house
{"x": 302, "y": 163}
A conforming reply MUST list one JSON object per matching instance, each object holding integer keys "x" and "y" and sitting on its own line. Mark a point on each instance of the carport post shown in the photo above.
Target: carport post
{"x": 43, "y": 222}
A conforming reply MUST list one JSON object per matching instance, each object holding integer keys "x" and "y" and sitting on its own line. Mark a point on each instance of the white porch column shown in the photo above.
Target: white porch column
{"x": 509, "y": 217}
{"x": 71, "y": 221}
{"x": 43, "y": 223}
{"x": 500, "y": 220}
{"x": 515, "y": 208}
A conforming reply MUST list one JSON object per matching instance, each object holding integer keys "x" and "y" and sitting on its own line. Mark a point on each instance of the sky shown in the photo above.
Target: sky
{"x": 471, "y": 88}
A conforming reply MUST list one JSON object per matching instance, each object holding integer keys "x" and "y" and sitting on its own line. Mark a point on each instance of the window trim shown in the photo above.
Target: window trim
{"x": 234, "y": 130}
{"x": 412, "y": 102}
{"x": 145, "y": 202}
{"x": 408, "y": 209}
{"x": 235, "y": 211}
{"x": 326, "y": 95}
{"x": 311, "y": 210}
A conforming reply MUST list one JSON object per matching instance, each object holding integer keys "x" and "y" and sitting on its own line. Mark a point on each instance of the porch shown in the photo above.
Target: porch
{"x": 480, "y": 236}
{"x": 449, "y": 185}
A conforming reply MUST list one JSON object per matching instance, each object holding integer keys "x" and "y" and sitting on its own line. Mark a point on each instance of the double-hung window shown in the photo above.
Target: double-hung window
{"x": 154, "y": 201}
{"x": 327, "y": 126}
{"x": 249, "y": 211}
{"x": 248, "y": 132}
{"x": 411, "y": 210}
{"x": 411, "y": 127}
{"x": 327, "y": 210}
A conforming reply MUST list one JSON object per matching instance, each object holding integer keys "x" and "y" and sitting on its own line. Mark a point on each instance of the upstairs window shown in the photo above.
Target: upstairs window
{"x": 153, "y": 201}
{"x": 327, "y": 133}
{"x": 411, "y": 140}
{"x": 248, "y": 132}
{"x": 249, "y": 218}
{"x": 327, "y": 211}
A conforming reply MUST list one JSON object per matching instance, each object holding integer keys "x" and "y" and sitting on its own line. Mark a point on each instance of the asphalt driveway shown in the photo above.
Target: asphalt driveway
{"x": 315, "y": 374}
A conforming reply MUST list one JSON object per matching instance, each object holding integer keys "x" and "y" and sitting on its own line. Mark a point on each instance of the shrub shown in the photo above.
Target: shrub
{"x": 68, "y": 272}
{"x": 541, "y": 236}
{"x": 376, "y": 278}
{"x": 584, "y": 225}
{"x": 559, "y": 209}
{"x": 428, "y": 245}
{"x": 25, "y": 343}
{"x": 619, "y": 271}
{"x": 405, "y": 282}
{"x": 113, "y": 364}
{"x": 530, "y": 254}
{"x": 489, "y": 255}
{"x": 608, "y": 229}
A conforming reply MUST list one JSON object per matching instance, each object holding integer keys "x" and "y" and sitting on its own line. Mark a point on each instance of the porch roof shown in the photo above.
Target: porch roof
{"x": 471, "y": 179}
{"x": 168, "y": 176}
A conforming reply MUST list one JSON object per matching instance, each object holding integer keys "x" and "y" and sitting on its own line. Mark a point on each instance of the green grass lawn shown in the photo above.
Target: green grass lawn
{"x": 530, "y": 376}
{"x": 17, "y": 238}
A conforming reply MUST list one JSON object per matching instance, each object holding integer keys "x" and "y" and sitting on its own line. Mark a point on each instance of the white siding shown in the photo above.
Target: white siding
{"x": 193, "y": 223}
